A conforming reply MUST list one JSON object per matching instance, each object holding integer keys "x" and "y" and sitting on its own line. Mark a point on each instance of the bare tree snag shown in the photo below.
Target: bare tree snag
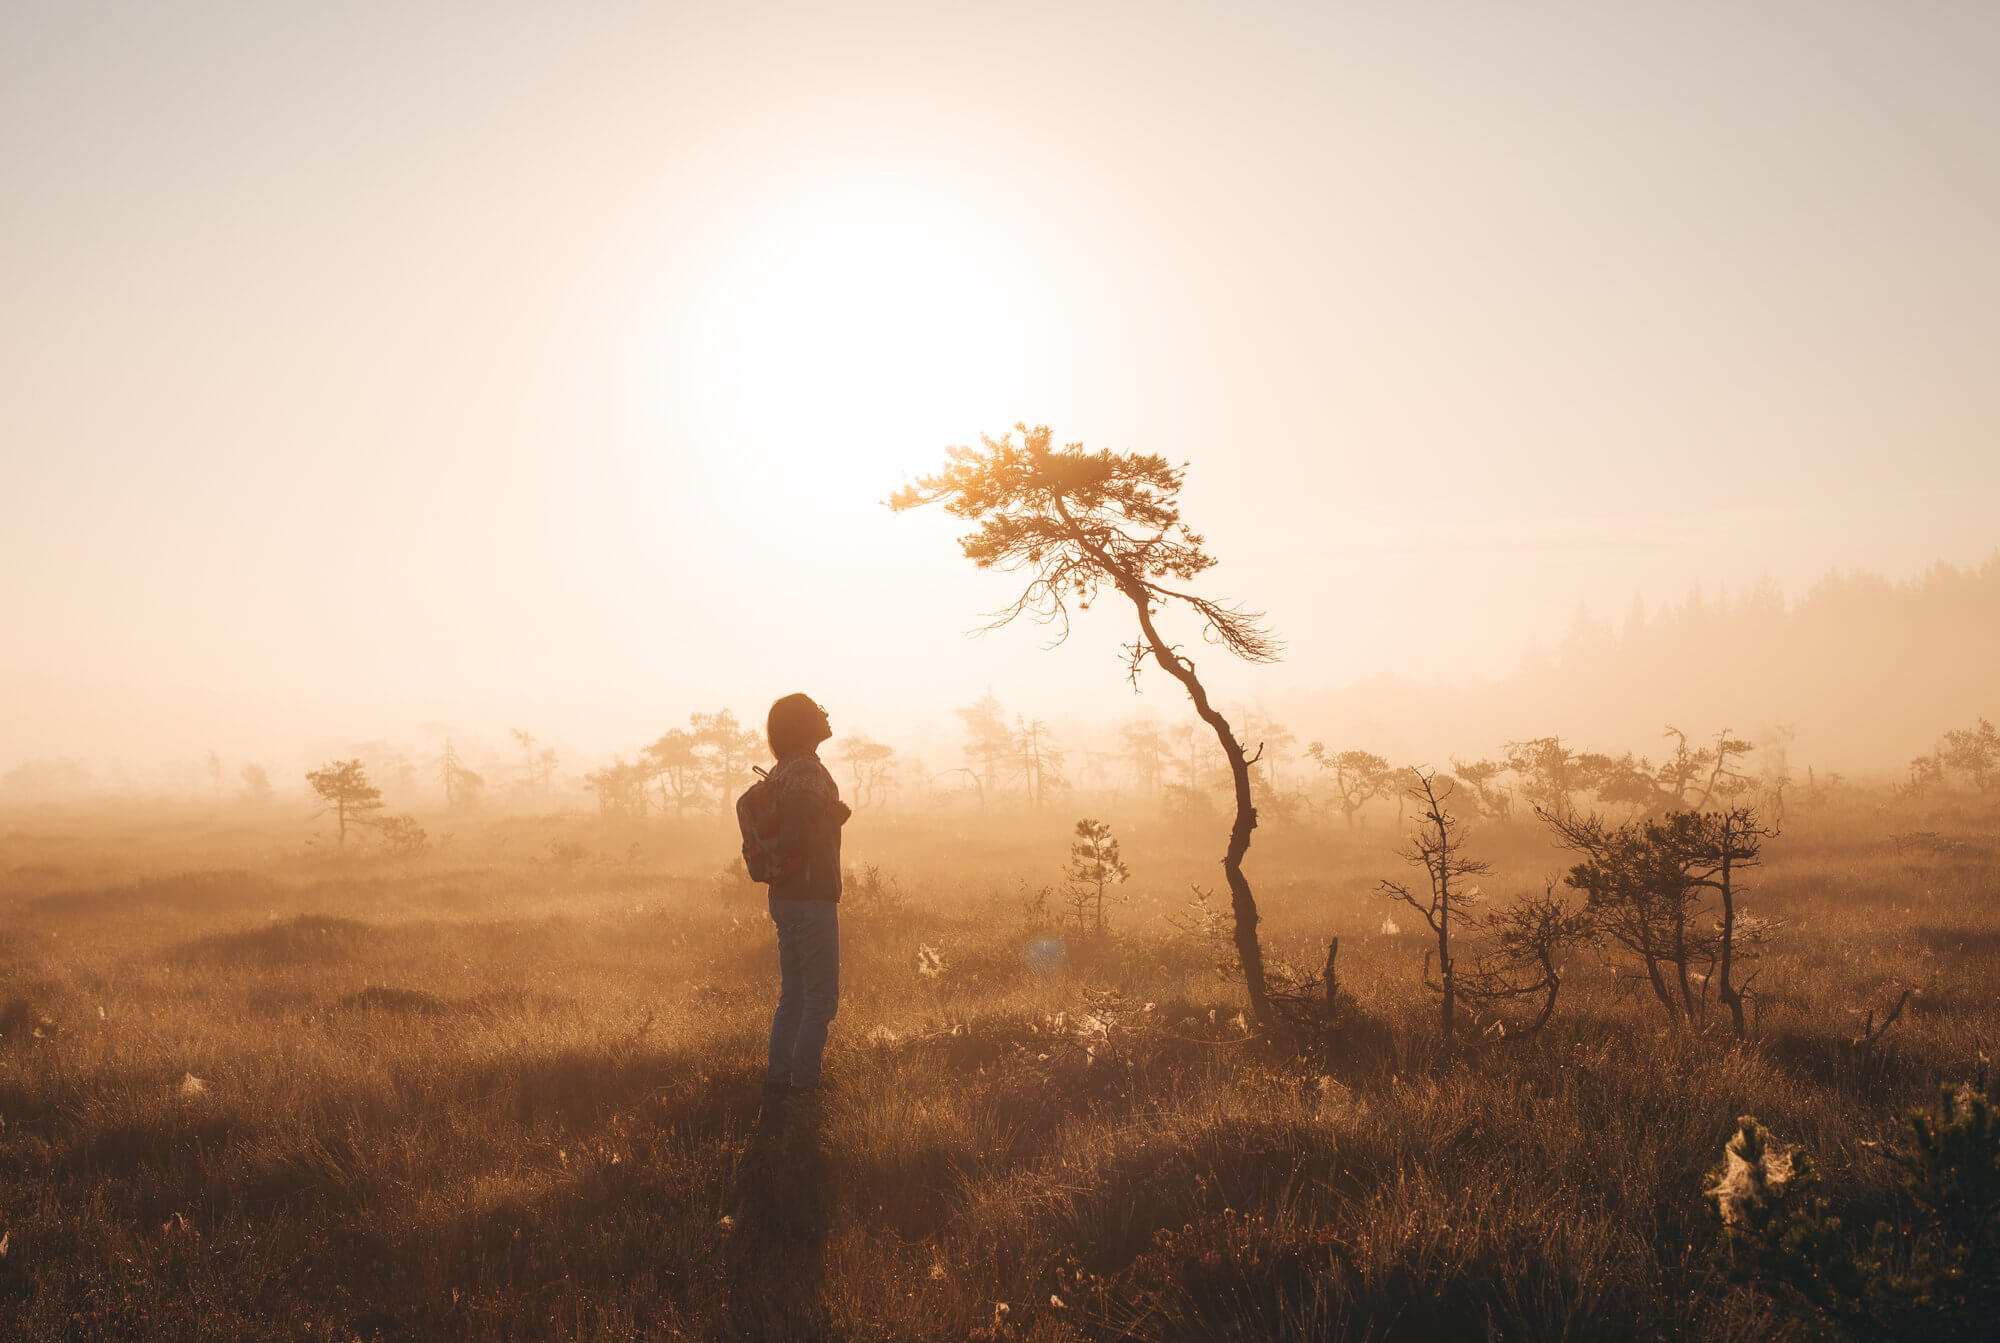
{"x": 1871, "y": 1034}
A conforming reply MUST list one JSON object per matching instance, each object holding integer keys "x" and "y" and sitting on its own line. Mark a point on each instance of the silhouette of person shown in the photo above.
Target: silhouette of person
{"x": 805, "y": 894}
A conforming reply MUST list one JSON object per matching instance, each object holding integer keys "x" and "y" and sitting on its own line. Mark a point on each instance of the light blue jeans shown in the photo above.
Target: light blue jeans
{"x": 809, "y": 988}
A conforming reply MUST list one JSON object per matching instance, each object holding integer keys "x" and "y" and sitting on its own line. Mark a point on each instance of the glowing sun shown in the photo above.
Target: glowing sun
{"x": 855, "y": 338}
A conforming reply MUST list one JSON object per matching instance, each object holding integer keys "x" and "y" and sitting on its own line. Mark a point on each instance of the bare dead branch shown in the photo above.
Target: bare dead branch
{"x": 1871, "y": 1034}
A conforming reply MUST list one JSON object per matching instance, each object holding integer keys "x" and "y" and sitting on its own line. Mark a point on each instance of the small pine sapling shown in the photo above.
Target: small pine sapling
{"x": 1094, "y": 868}
{"x": 1933, "y": 1273}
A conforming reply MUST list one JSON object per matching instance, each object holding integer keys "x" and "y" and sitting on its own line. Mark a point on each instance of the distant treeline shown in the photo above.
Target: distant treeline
{"x": 1862, "y": 671}
{"x": 1862, "y": 674}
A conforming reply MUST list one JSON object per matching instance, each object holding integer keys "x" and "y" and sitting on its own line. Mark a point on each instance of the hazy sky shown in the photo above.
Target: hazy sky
{"x": 366, "y": 365}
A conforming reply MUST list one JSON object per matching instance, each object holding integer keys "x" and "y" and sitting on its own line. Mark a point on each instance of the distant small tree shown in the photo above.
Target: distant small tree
{"x": 1038, "y": 760}
{"x": 1926, "y": 775}
{"x": 1144, "y": 750}
{"x": 1094, "y": 867}
{"x": 870, "y": 763}
{"x": 214, "y": 772}
{"x": 540, "y": 765}
{"x": 1547, "y": 771}
{"x": 620, "y": 788}
{"x": 256, "y": 788}
{"x": 726, "y": 750}
{"x": 675, "y": 767}
{"x": 402, "y": 836}
{"x": 1080, "y": 522}
{"x": 1438, "y": 849}
{"x": 462, "y": 786}
{"x": 989, "y": 745}
{"x": 1681, "y": 771}
{"x": 1482, "y": 779}
{"x": 1691, "y": 778}
{"x": 1973, "y": 752}
{"x": 1726, "y": 780}
{"x": 1359, "y": 777}
{"x": 343, "y": 786}
{"x": 1618, "y": 780}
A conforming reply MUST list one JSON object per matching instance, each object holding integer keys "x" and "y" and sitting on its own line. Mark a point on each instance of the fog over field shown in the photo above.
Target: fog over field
{"x": 548, "y": 370}
{"x": 1036, "y": 672}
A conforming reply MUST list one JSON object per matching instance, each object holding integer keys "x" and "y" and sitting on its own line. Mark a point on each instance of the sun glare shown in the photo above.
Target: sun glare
{"x": 855, "y": 339}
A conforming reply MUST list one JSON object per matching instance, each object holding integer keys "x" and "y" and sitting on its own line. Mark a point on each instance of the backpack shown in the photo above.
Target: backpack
{"x": 757, "y": 818}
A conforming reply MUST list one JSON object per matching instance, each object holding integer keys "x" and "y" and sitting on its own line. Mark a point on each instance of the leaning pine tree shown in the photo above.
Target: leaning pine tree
{"x": 1080, "y": 522}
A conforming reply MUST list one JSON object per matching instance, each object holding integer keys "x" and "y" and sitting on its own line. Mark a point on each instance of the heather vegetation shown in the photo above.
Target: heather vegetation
{"x": 505, "y": 1084}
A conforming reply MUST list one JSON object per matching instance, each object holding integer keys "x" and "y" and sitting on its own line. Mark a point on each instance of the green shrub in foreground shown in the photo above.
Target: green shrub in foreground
{"x": 1932, "y": 1273}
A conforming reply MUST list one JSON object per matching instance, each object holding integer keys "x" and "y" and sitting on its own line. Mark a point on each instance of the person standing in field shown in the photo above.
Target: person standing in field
{"x": 805, "y": 893}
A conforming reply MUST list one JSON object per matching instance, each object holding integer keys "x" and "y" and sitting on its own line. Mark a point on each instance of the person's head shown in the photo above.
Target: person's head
{"x": 796, "y": 725}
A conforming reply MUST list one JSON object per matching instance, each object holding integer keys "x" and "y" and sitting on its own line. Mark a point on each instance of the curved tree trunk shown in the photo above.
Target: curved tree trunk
{"x": 1242, "y": 904}
{"x": 1726, "y": 990}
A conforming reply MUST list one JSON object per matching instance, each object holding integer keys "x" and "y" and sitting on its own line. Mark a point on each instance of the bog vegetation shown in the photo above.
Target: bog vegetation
{"x": 1550, "y": 1042}
{"x": 502, "y": 1081}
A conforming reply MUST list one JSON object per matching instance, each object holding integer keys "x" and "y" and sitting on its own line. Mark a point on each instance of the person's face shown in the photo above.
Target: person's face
{"x": 825, "y": 723}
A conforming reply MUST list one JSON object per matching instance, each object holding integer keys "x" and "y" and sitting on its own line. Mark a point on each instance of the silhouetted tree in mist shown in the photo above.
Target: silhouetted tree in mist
{"x": 1482, "y": 777}
{"x": 343, "y": 785}
{"x": 988, "y": 743}
{"x": 1693, "y": 777}
{"x": 1359, "y": 777}
{"x": 1080, "y": 522}
{"x": 540, "y": 765}
{"x": 1973, "y": 752}
{"x": 675, "y": 767}
{"x": 1926, "y": 773}
{"x": 620, "y": 788}
{"x": 256, "y": 784}
{"x": 1144, "y": 750}
{"x": 1037, "y": 759}
{"x": 726, "y": 750}
{"x": 1547, "y": 771}
{"x": 462, "y": 786}
{"x": 1619, "y": 780}
{"x": 870, "y": 763}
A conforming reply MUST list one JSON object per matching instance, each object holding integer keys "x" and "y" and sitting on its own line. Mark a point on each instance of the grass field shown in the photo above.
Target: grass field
{"x": 510, "y": 1089}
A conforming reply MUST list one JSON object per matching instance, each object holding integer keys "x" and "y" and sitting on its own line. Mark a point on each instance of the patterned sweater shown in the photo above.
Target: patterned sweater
{"x": 810, "y": 814}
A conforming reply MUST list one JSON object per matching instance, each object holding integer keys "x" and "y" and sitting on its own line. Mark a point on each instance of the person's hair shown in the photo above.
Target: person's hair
{"x": 794, "y": 725}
